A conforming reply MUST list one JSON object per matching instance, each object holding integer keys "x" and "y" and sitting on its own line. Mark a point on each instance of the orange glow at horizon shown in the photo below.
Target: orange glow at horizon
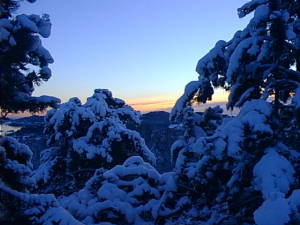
{"x": 148, "y": 104}
{"x": 152, "y": 103}
{"x": 165, "y": 103}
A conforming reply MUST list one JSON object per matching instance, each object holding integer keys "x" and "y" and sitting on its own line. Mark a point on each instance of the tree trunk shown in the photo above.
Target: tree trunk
{"x": 278, "y": 37}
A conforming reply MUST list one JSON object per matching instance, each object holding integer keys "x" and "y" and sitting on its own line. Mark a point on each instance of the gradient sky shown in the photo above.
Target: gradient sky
{"x": 144, "y": 51}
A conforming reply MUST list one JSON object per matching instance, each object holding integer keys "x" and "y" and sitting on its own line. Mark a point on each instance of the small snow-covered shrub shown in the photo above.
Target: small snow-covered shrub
{"x": 126, "y": 194}
{"x": 37, "y": 209}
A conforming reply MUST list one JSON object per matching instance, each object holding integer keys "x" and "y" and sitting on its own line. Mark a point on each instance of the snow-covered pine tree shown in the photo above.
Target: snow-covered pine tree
{"x": 37, "y": 209}
{"x": 215, "y": 171}
{"x": 17, "y": 204}
{"x": 44, "y": 209}
{"x": 86, "y": 137}
{"x": 229, "y": 176}
{"x": 126, "y": 194}
{"x": 195, "y": 125}
{"x": 252, "y": 65}
{"x": 16, "y": 169}
{"x": 21, "y": 50}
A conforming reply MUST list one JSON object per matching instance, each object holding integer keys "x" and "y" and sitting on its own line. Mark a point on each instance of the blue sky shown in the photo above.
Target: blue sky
{"x": 144, "y": 51}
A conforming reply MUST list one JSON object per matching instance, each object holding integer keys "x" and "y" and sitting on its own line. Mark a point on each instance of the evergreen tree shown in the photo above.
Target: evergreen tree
{"x": 126, "y": 194}
{"x": 16, "y": 169}
{"x": 256, "y": 63}
{"x": 83, "y": 138}
{"x": 230, "y": 177}
{"x": 21, "y": 51}
{"x": 195, "y": 125}
{"x": 215, "y": 171}
{"x": 17, "y": 204}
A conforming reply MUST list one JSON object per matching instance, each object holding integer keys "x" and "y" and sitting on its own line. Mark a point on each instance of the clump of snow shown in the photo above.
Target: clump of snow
{"x": 254, "y": 114}
{"x": 15, "y": 164}
{"x": 39, "y": 209}
{"x": 43, "y": 23}
{"x": 235, "y": 58}
{"x": 273, "y": 212}
{"x": 273, "y": 173}
{"x": 274, "y": 177}
{"x": 205, "y": 63}
{"x": 250, "y": 6}
{"x": 45, "y": 72}
{"x": 26, "y": 23}
{"x": 189, "y": 91}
